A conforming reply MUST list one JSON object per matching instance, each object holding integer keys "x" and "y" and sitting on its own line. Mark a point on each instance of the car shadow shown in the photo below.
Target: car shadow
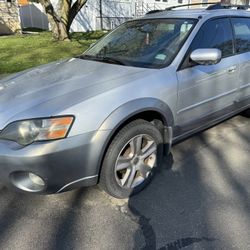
{"x": 194, "y": 197}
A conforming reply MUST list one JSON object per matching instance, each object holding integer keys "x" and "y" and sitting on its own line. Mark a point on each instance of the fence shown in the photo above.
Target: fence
{"x": 32, "y": 16}
{"x": 109, "y": 23}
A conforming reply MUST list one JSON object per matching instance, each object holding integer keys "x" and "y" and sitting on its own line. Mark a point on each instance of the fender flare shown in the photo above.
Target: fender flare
{"x": 132, "y": 108}
{"x": 128, "y": 110}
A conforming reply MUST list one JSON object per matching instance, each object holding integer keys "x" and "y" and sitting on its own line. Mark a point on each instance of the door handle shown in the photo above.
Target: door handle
{"x": 232, "y": 69}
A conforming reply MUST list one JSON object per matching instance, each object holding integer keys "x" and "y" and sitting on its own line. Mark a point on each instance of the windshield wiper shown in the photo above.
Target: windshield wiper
{"x": 102, "y": 59}
{"x": 111, "y": 60}
{"x": 85, "y": 57}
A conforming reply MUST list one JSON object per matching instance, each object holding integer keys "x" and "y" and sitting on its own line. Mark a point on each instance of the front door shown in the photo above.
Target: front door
{"x": 206, "y": 89}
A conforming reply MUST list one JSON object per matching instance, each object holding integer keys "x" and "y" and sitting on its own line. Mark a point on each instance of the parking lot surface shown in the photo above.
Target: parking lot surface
{"x": 199, "y": 200}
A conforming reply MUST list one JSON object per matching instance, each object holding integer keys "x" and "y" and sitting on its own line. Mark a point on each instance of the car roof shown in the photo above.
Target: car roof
{"x": 197, "y": 13}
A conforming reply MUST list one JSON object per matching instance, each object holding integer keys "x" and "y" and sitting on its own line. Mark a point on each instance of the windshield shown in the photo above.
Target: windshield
{"x": 142, "y": 43}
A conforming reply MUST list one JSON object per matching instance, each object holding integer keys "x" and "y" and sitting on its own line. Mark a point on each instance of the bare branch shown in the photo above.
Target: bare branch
{"x": 75, "y": 9}
{"x": 49, "y": 9}
{"x": 78, "y": 5}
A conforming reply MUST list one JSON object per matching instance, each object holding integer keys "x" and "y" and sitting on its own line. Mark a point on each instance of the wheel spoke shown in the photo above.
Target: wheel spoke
{"x": 144, "y": 170}
{"x": 125, "y": 177}
{"x": 123, "y": 163}
{"x": 136, "y": 144}
{"x": 137, "y": 181}
{"x": 149, "y": 149}
{"x": 130, "y": 178}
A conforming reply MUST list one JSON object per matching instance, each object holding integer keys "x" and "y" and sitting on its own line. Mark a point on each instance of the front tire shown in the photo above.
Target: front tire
{"x": 131, "y": 159}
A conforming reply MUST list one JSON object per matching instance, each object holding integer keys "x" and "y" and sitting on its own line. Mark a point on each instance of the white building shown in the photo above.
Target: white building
{"x": 96, "y": 14}
{"x": 107, "y": 14}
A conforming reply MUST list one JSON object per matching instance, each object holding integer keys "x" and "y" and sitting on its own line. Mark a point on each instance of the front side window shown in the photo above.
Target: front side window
{"x": 142, "y": 43}
{"x": 241, "y": 28}
{"x": 215, "y": 34}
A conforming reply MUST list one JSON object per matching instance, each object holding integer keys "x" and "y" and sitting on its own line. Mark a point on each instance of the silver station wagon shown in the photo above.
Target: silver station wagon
{"x": 109, "y": 115}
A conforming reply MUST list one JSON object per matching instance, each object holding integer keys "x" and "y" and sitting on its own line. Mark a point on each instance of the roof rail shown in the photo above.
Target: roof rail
{"x": 217, "y": 6}
{"x": 227, "y": 6}
{"x": 192, "y": 4}
{"x": 212, "y": 6}
{"x": 153, "y": 11}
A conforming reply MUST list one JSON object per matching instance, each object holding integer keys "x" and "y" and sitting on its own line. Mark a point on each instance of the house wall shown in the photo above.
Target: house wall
{"x": 115, "y": 12}
{"x": 9, "y": 18}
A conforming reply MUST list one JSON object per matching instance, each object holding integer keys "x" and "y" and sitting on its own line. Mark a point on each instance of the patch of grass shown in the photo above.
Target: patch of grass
{"x": 20, "y": 52}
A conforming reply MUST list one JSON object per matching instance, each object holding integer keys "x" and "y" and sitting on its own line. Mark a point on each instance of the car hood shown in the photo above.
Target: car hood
{"x": 61, "y": 81}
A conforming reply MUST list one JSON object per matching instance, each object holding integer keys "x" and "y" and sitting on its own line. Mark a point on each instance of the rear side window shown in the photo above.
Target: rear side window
{"x": 215, "y": 33}
{"x": 241, "y": 27}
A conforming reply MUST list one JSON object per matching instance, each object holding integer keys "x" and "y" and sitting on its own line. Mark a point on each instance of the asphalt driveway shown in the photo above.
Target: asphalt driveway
{"x": 201, "y": 202}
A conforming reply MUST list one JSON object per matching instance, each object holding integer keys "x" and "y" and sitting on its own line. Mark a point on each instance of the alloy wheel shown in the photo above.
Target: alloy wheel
{"x": 136, "y": 161}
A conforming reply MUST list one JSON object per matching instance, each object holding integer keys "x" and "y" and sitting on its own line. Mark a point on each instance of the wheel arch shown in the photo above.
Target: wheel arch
{"x": 148, "y": 109}
{"x": 136, "y": 107}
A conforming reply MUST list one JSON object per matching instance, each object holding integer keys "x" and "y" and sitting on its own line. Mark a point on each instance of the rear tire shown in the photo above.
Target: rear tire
{"x": 131, "y": 159}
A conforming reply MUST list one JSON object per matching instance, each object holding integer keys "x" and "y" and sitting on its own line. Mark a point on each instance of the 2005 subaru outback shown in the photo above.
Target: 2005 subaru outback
{"x": 109, "y": 115}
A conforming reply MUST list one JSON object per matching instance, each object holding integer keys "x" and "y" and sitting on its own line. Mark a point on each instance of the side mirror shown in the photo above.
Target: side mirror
{"x": 206, "y": 56}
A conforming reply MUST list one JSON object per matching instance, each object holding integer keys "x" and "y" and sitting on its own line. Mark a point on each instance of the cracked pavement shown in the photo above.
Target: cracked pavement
{"x": 201, "y": 202}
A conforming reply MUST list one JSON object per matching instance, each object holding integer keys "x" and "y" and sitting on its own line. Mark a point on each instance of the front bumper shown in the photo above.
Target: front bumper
{"x": 62, "y": 164}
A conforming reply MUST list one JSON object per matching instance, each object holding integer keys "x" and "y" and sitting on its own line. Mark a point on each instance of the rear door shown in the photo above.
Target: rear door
{"x": 206, "y": 89}
{"x": 241, "y": 28}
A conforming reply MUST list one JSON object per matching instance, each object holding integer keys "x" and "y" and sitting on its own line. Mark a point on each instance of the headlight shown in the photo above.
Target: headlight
{"x": 28, "y": 131}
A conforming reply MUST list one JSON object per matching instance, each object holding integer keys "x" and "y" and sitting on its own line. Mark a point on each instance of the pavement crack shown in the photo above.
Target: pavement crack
{"x": 130, "y": 212}
{"x": 147, "y": 230}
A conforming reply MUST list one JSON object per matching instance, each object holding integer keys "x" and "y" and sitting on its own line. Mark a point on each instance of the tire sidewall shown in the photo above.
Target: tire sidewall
{"x": 120, "y": 140}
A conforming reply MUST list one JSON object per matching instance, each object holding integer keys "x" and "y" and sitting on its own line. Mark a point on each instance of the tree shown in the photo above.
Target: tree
{"x": 61, "y": 18}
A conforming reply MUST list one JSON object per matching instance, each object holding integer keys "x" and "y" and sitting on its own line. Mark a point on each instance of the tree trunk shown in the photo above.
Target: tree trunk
{"x": 59, "y": 30}
{"x": 61, "y": 20}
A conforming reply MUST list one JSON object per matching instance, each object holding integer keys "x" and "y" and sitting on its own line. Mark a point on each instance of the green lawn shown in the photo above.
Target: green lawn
{"x": 20, "y": 52}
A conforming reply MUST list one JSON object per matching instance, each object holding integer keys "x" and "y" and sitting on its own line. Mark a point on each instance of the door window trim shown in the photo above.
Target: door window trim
{"x": 187, "y": 54}
{"x": 234, "y": 35}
